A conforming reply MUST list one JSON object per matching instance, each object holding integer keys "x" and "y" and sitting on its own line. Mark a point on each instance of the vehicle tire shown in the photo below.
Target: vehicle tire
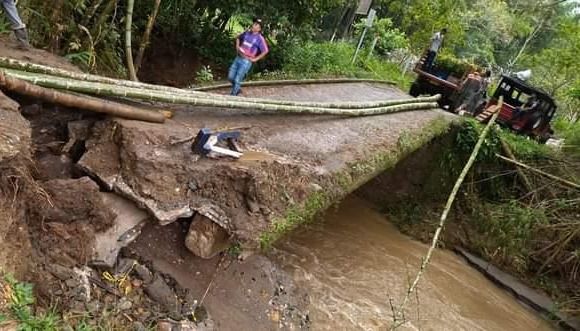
{"x": 415, "y": 90}
{"x": 535, "y": 121}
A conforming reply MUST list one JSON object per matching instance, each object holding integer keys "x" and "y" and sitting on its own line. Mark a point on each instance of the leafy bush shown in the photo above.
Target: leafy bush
{"x": 452, "y": 65}
{"x": 204, "y": 75}
{"x": 390, "y": 38}
{"x": 326, "y": 58}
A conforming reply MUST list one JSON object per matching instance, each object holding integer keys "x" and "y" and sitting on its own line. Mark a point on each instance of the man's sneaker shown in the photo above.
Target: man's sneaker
{"x": 22, "y": 38}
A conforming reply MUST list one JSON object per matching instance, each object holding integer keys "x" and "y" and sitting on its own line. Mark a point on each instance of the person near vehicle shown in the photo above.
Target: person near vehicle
{"x": 16, "y": 23}
{"x": 530, "y": 106}
{"x": 470, "y": 90}
{"x": 436, "y": 44}
{"x": 251, "y": 47}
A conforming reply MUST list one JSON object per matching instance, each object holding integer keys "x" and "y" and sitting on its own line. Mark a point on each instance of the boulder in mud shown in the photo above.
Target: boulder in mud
{"x": 206, "y": 238}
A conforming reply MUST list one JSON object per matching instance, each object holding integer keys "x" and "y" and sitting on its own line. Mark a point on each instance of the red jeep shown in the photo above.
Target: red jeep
{"x": 515, "y": 93}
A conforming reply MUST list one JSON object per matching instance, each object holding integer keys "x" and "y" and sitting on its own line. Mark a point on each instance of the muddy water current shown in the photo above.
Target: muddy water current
{"x": 356, "y": 262}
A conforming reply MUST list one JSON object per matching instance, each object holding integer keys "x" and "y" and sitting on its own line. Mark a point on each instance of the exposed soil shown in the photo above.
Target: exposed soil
{"x": 63, "y": 160}
{"x": 172, "y": 65}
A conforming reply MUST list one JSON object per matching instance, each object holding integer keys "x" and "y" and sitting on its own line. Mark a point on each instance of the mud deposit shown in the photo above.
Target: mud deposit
{"x": 355, "y": 262}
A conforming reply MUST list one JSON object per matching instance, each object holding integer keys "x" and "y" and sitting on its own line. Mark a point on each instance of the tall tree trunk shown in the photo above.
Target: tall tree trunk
{"x": 146, "y": 35}
{"x": 128, "y": 48}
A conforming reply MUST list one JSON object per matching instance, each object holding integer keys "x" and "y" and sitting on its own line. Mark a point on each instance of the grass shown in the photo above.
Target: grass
{"x": 17, "y": 308}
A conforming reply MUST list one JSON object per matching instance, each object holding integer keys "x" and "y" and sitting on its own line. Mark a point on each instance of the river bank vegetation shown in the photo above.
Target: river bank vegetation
{"x": 517, "y": 219}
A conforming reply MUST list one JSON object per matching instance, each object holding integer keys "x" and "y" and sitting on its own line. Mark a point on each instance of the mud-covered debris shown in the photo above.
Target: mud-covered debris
{"x": 126, "y": 227}
{"x": 206, "y": 238}
{"x": 51, "y": 166}
{"x": 78, "y": 133}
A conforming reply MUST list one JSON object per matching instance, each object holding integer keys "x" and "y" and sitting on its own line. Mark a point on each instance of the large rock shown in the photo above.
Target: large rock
{"x": 14, "y": 130}
{"x": 126, "y": 227}
{"x": 206, "y": 238}
{"x": 67, "y": 217}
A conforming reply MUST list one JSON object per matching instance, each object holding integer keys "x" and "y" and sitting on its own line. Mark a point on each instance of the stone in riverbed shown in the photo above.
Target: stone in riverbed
{"x": 206, "y": 238}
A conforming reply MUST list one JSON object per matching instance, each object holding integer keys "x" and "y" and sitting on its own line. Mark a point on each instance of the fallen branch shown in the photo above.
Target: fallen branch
{"x": 540, "y": 172}
{"x": 508, "y": 152}
{"x": 75, "y": 101}
{"x": 443, "y": 219}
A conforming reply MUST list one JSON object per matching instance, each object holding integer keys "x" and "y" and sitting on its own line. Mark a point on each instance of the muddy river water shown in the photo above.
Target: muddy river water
{"x": 355, "y": 263}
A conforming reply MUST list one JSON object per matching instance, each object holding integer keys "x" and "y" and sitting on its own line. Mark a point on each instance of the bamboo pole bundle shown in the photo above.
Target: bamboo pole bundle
{"x": 75, "y": 101}
{"x": 102, "y": 89}
{"x": 27, "y": 68}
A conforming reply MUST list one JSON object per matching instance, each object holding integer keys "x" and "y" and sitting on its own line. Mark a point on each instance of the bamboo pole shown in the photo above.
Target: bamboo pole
{"x": 82, "y": 102}
{"x": 298, "y": 82}
{"x": 128, "y": 48}
{"x": 148, "y": 95}
{"x": 147, "y": 35}
{"x": 445, "y": 213}
{"x": 27, "y": 68}
{"x": 540, "y": 172}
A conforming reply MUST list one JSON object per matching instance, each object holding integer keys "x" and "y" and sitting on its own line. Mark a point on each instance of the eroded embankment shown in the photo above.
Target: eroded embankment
{"x": 85, "y": 186}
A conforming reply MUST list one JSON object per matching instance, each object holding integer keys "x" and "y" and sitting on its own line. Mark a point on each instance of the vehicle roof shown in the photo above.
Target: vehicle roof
{"x": 527, "y": 88}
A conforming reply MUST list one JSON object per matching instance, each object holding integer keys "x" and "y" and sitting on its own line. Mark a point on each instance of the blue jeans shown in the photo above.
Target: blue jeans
{"x": 238, "y": 71}
{"x": 12, "y": 14}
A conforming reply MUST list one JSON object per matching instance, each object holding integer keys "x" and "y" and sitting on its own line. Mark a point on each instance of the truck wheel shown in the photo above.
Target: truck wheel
{"x": 534, "y": 122}
{"x": 415, "y": 90}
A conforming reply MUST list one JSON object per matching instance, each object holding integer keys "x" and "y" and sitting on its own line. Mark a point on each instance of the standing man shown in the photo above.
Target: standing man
{"x": 16, "y": 23}
{"x": 251, "y": 47}
{"x": 436, "y": 44}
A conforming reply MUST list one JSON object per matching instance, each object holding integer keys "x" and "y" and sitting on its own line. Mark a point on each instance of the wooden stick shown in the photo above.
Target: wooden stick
{"x": 540, "y": 172}
{"x": 446, "y": 211}
{"x": 75, "y": 101}
{"x": 146, "y": 36}
{"x": 508, "y": 152}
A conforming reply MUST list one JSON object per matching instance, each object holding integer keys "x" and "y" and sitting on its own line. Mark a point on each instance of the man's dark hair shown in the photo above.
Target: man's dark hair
{"x": 444, "y": 30}
{"x": 257, "y": 20}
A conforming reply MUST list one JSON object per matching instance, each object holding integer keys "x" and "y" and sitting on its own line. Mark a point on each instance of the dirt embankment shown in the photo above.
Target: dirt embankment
{"x": 62, "y": 230}
{"x": 90, "y": 178}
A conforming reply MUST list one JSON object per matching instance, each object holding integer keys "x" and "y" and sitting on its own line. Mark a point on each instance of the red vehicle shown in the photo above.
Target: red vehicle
{"x": 439, "y": 81}
{"x": 515, "y": 93}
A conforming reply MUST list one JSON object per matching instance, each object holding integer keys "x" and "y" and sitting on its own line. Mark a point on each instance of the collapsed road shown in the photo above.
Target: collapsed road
{"x": 88, "y": 184}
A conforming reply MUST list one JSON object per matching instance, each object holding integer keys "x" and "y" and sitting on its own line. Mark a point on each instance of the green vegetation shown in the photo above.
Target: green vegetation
{"x": 16, "y": 308}
{"x": 531, "y": 233}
